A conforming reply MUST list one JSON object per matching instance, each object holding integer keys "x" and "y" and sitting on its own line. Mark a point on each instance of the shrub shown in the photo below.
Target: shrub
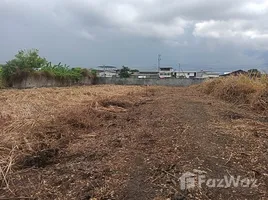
{"x": 62, "y": 72}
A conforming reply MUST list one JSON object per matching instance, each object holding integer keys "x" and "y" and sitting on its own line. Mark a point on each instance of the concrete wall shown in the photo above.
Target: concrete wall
{"x": 134, "y": 81}
{"x": 42, "y": 81}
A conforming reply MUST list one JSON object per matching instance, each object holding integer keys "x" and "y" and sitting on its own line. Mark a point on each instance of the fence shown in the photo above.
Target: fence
{"x": 37, "y": 82}
{"x": 149, "y": 81}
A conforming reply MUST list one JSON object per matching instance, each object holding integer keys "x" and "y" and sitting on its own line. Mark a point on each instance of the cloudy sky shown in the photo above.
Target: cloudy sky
{"x": 218, "y": 35}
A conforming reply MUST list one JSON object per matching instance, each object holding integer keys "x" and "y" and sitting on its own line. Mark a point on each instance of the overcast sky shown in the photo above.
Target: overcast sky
{"x": 219, "y": 35}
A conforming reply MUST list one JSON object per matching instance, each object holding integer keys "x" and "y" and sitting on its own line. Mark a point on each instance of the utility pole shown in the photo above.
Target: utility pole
{"x": 159, "y": 60}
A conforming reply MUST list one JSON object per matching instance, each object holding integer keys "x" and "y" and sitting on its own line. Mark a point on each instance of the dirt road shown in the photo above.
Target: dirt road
{"x": 139, "y": 150}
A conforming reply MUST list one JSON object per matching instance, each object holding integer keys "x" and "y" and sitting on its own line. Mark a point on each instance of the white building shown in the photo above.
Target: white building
{"x": 107, "y": 74}
{"x": 166, "y": 72}
{"x": 145, "y": 74}
{"x": 186, "y": 74}
{"x": 107, "y": 71}
{"x": 207, "y": 74}
{"x": 195, "y": 74}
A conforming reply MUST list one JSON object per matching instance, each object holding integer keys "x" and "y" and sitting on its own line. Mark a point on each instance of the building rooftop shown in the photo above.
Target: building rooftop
{"x": 185, "y": 71}
{"x": 147, "y": 72}
{"x": 107, "y": 67}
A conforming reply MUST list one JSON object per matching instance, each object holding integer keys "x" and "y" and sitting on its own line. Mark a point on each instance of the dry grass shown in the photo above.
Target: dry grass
{"x": 36, "y": 123}
{"x": 242, "y": 90}
{"x": 109, "y": 142}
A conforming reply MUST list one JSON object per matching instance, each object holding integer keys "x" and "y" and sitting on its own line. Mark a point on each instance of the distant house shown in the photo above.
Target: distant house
{"x": 235, "y": 73}
{"x": 185, "y": 74}
{"x": 145, "y": 74}
{"x": 107, "y": 74}
{"x": 166, "y": 72}
{"x": 169, "y": 72}
{"x": 196, "y": 74}
{"x": 207, "y": 74}
{"x": 107, "y": 71}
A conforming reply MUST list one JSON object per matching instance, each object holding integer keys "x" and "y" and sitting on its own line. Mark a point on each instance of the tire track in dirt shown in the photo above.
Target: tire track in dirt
{"x": 183, "y": 140}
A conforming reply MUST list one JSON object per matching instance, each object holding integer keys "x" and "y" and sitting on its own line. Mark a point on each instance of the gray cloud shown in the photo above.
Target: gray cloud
{"x": 198, "y": 33}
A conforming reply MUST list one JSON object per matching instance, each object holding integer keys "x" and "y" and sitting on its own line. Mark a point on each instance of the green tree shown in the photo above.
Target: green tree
{"x": 23, "y": 63}
{"x": 124, "y": 72}
{"x": 134, "y": 70}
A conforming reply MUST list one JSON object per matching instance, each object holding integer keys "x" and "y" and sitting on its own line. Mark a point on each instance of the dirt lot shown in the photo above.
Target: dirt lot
{"x": 117, "y": 142}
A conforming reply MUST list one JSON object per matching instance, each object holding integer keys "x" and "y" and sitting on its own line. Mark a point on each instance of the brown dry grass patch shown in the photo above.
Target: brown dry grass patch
{"x": 242, "y": 90}
{"x": 36, "y": 125}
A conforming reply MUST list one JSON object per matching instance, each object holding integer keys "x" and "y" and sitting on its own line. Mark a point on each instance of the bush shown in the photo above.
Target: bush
{"x": 61, "y": 72}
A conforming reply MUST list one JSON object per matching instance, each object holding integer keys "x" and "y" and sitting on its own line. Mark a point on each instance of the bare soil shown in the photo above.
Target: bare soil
{"x": 136, "y": 146}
